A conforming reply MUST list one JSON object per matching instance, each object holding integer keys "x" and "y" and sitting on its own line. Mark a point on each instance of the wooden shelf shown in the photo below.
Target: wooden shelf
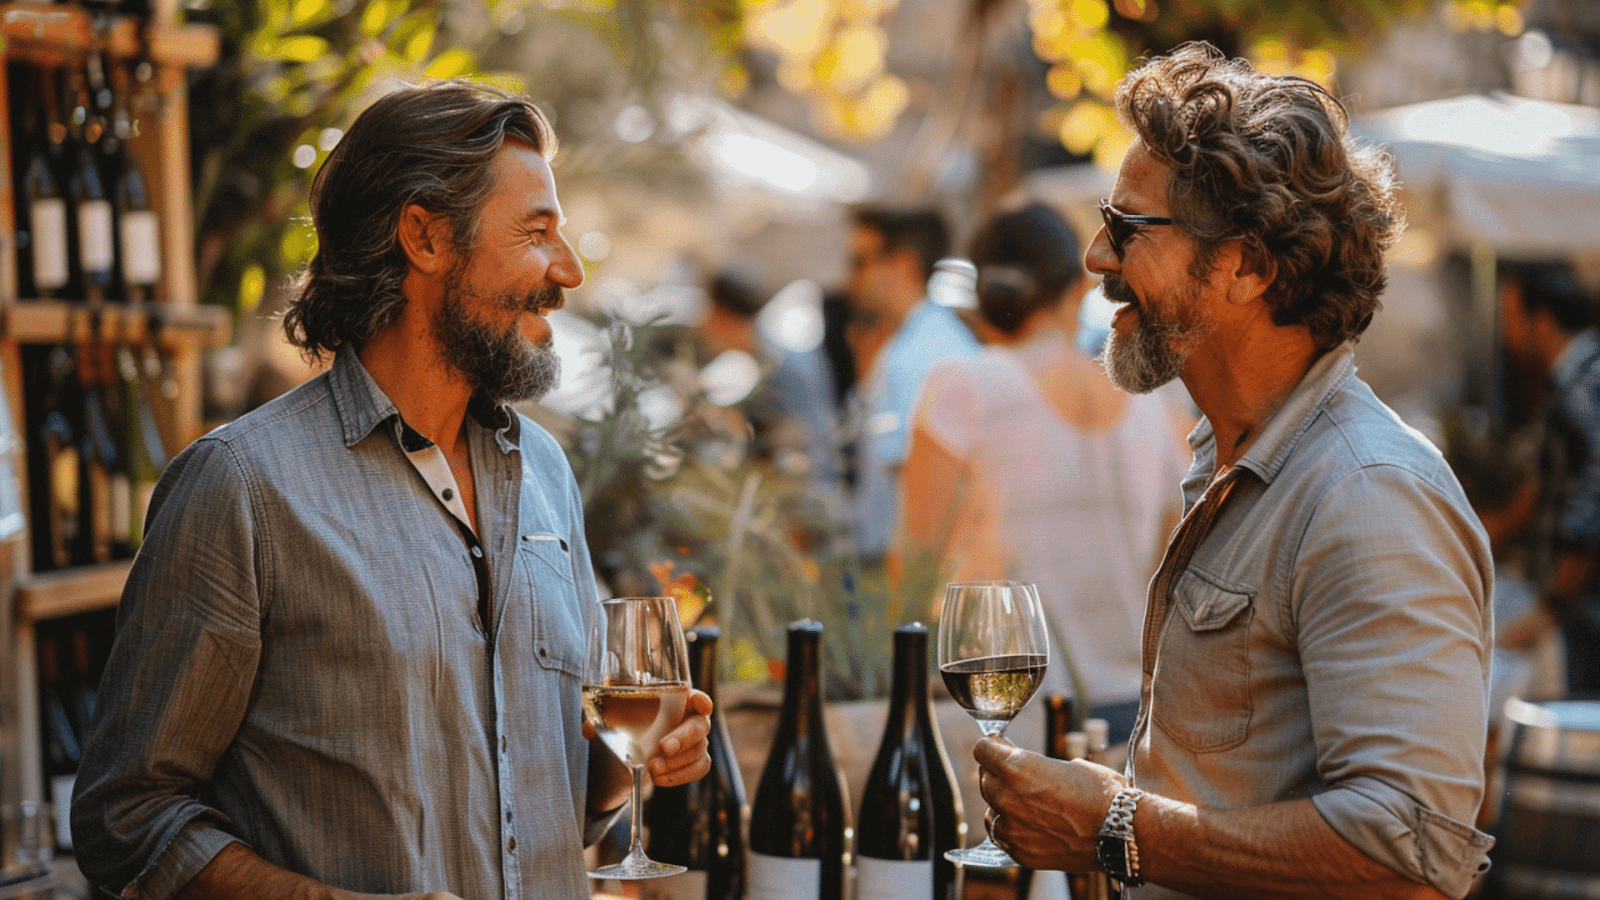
{"x": 36, "y": 28}
{"x": 68, "y": 591}
{"x": 55, "y": 321}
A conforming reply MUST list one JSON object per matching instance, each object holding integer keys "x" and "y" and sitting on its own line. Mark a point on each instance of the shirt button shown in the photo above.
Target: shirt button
{"x": 511, "y": 844}
{"x": 477, "y": 553}
{"x": 449, "y": 494}
{"x": 504, "y": 744}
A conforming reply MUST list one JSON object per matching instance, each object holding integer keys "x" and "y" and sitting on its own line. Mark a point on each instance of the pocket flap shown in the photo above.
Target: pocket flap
{"x": 1207, "y": 606}
{"x": 552, "y": 551}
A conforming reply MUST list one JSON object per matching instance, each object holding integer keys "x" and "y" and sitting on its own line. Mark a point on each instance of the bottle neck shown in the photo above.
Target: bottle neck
{"x": 908, "y": 692}
{"x": 802, "y": 687}
{"x": 703, "y": 666}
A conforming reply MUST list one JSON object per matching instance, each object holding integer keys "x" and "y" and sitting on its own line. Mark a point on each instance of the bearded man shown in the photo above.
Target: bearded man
{"x": 1317, "y": 635}
{"x": 349, "y": 654}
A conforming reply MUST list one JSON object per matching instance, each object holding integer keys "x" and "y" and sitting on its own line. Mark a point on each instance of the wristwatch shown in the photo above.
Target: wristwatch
{"x": 1119, "y": 854}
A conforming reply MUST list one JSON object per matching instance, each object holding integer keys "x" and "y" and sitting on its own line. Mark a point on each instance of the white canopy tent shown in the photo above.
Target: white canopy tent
{"x": 1494, "y": 176}
{"x": 1516, "y": 175}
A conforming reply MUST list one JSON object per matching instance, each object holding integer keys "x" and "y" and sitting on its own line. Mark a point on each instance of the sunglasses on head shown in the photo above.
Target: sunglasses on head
{"x": 1121, "y": 226}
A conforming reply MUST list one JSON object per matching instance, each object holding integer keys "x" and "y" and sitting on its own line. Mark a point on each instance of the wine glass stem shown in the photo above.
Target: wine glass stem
{"x": 636, "y": 814}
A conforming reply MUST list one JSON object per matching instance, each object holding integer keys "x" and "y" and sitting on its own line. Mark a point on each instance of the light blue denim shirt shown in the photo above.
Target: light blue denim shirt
{"x": 300, "y": 665}
{"x": 1329, "y": 637}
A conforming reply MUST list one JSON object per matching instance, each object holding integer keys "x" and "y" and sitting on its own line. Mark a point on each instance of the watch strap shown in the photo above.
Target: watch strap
{"x": 1116, "y": 847}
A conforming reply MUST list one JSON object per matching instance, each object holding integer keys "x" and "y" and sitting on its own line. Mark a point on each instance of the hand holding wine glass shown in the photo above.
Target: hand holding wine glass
{"x": 635, "y": 689}
{"x": 993, "y": 649}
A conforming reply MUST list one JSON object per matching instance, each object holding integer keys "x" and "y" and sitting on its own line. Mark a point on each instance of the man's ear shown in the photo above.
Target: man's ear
{"x": 1252, "y": 276}
{"x": 423, "y": 237}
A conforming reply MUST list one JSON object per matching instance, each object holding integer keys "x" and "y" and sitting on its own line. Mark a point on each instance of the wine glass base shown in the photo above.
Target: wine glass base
{"x": 633, "y": 870}
{"x": 984, "y": 856}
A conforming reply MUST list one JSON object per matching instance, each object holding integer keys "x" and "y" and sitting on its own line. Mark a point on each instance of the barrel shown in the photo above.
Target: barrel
{"x": 1548, "y": 840}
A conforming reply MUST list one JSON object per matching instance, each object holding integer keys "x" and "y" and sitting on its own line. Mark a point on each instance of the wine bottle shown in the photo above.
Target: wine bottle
{"x": 1091, "y": 744}
{"x": 701, "y": 825}
{"x": 53, "y": 404}
{"x": 910, "y": 811}
{"x": 97, "y": 460}
{"x": 114, "y": 404}
{"x": 143, "y": 448}
{"x": 799, "y": 816}
{"x": 1058, "y": 719}
{"x": 63, "y": 748}
{"x": 90, "y": 200}
{"x": 138, "y": 225}
{"x": 43, "y": 261}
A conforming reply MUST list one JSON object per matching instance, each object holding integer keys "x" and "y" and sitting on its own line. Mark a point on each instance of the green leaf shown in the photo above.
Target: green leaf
{"x": 378, "y": 16}
{"x": 302, "y": 49}
{"x": 306, "y": 12}
{"x": 451, "y": 64}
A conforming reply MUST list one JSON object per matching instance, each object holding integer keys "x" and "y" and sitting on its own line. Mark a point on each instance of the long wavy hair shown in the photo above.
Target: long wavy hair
{"x": 1267, "y": 160}
{"x": 430, "y": 145}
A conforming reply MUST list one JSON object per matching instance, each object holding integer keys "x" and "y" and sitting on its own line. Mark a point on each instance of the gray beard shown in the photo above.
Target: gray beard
{"x": 1153, "y": 355}
{"x": 500, "y": 365}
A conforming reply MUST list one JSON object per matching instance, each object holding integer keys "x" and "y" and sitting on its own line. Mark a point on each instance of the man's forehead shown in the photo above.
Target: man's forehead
{"x": 1141, "y": 182}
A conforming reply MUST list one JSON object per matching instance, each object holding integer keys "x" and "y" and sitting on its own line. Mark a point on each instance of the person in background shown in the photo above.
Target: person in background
{"x": 1027, "y": 464}
{"x": 1547, "y": 326}
{"x": 792, "y": 410}
{"x": 897, "y": 334}
{"x": 349, "y": 653}
{"x": 1317, "y": 635}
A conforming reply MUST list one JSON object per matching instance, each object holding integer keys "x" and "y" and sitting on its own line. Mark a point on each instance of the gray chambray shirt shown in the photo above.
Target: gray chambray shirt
{"x": 300, "y": 665}
{"x": 1329, "y": 637}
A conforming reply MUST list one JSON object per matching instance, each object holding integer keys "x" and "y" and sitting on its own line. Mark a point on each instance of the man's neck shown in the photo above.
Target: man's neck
{"x": 1238, "y": 388}
{"x": 431, "y": 397}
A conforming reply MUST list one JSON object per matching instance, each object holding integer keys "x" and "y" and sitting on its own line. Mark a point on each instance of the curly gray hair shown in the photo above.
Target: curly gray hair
{"x": 1267, "y": 160}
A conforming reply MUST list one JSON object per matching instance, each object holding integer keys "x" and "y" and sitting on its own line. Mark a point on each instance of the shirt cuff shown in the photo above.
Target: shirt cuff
{"x": 1408, "y": 838}
{"x": 193, "y": 848}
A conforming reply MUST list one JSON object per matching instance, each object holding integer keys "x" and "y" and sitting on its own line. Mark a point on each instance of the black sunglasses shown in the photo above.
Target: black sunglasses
{"x": 1121, "y": 226}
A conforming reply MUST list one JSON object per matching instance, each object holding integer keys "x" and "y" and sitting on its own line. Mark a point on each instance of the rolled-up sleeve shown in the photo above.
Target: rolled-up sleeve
{"x": 1393, "y": 622}
{"x": 176, "y": 685}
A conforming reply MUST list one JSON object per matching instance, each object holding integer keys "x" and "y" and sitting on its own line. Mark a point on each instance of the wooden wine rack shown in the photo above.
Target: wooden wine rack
{"x": 53, "y": 34}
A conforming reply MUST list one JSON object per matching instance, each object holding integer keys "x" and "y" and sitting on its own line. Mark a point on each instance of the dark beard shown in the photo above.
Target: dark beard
{"x": 1158, "y": 348}
{"x": 500, "y": 365}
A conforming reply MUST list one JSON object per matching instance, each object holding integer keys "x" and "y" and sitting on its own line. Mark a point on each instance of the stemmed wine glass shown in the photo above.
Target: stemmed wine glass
{"x": 635, "y": 687}
{"x": 993, "y": 649}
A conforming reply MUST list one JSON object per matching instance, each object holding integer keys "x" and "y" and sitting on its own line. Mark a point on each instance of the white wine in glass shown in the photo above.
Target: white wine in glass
{"x": 635, "y": 687}
{"x": 993, "y": 650}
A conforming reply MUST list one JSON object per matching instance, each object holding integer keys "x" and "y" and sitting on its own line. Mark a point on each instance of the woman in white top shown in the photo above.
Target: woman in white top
{"x": 1027, "y": 464}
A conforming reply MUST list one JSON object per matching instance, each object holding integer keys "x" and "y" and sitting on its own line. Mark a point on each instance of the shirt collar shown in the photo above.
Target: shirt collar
{"x": 1583, "y": 347}
{"x": 362, "y": 405}
{"x": 1283, "y": 429}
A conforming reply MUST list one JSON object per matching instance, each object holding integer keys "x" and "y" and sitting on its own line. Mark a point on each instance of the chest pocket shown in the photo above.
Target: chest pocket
{"x": 1202, "y": 690}
{"x": 558, "y": 632}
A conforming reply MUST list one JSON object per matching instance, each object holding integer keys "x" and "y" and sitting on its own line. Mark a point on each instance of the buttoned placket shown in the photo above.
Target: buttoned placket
{"x": 430, "y": 463}
{"x": 1191, "y": 531}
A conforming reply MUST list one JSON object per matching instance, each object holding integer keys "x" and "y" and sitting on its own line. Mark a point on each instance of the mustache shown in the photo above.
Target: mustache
{"x": 551, "y": 296}
{"x": 1115, "y": 287}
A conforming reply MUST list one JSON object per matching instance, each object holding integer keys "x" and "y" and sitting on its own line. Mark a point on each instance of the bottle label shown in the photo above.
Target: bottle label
{"x": 61, "y": 803}
{"x": 690, "y": 885}
{"x": 783, "y": 878}
{"x": 141, "y": 247}
{"x": 49, "y": 234}
{"x": 893, "y": 879}
{"x": 121, "y": 507}
{"x": 95, "y": 252}
{"x": 1049, "y": 885}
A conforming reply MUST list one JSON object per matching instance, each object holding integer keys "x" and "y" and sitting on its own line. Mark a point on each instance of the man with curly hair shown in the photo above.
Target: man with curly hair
{"x": 1317, "y": 636}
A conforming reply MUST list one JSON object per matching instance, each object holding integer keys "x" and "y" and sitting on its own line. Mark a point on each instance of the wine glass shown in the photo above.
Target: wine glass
{"x": 635, "y": 687}
{"x": 993, "y": 649}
